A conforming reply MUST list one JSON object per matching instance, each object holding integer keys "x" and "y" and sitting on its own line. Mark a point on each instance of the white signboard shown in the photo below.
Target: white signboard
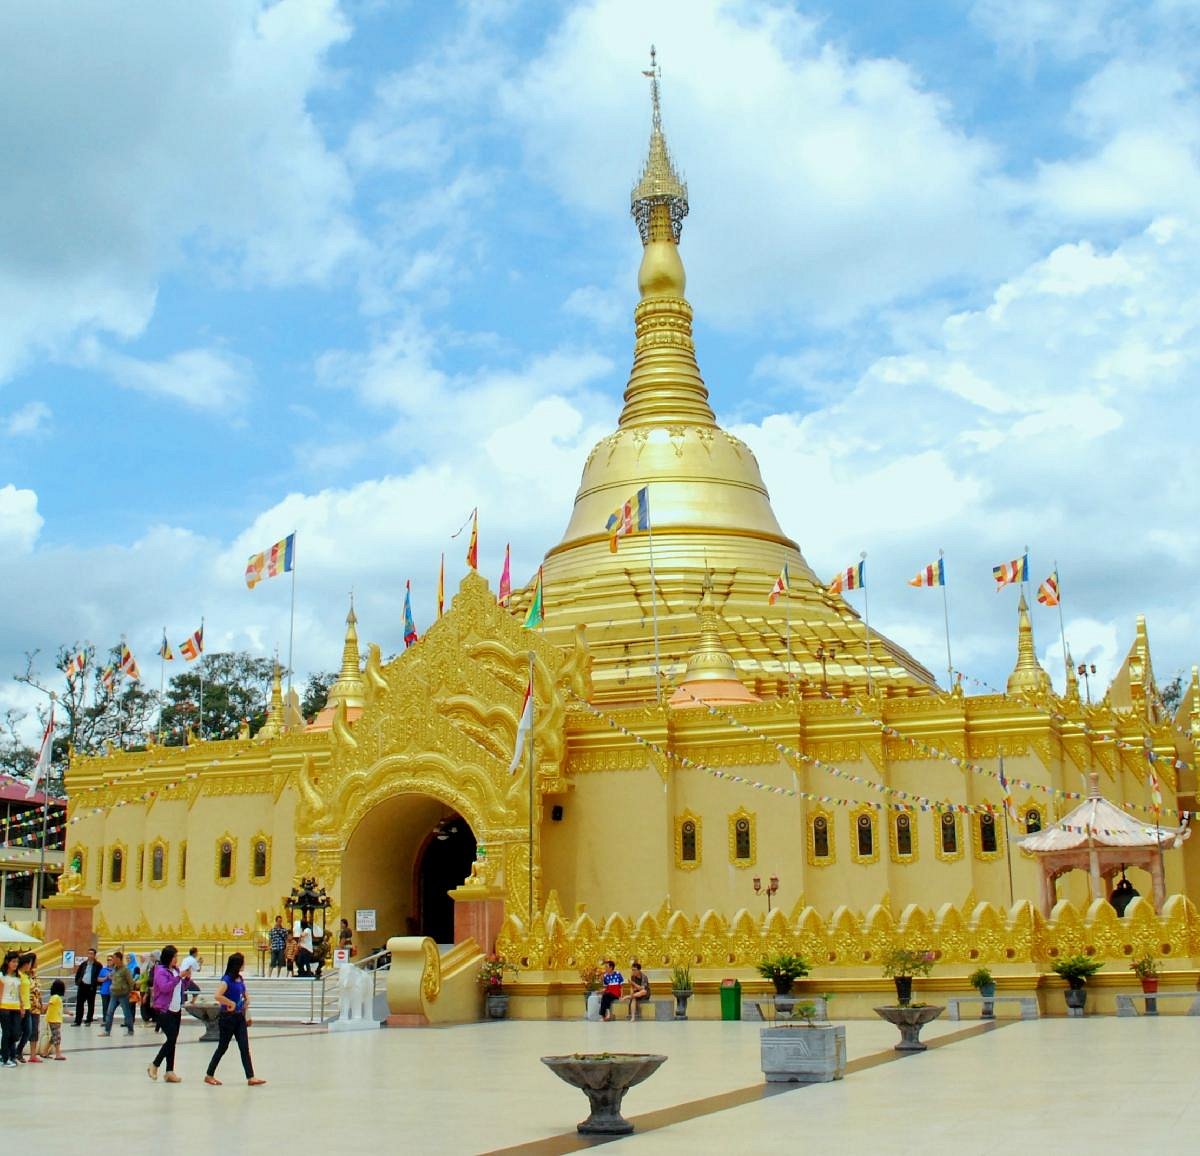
{"x": 364, "y": 919}
{"x": 68, "y": 959}
{"x": 341, "y": 956}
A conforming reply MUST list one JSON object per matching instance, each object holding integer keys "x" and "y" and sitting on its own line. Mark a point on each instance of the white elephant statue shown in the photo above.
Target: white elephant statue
{"x": 355, "y": 993}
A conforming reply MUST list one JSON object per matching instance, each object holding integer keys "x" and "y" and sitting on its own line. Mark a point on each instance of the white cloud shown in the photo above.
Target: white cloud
{"x": 204, "y": 379}
{"x": 28, "y": 421}
{"x": 138, "y": 134}
{"x": 20, "y": 522}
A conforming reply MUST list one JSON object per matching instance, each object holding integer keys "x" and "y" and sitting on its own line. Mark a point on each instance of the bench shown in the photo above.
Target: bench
{"x": 1125, "y": 1004}
{"x": 644, "y": 1006}
{"x": 1029, "y": 1004}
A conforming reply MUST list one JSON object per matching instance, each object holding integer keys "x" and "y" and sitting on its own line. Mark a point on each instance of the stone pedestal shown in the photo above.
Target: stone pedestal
{"x": 477, "y": 916}
{"x": 69, "y": 919}
{"x": 801, "y": 1054}
{"x": 910, "y": 1021}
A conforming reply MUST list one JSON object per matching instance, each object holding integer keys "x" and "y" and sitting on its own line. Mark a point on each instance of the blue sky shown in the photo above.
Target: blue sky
{"x": 353, "y": 268}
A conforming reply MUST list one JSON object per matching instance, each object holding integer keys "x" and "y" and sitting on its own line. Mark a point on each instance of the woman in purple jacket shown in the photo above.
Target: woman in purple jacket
{"x": 166, "y": 998}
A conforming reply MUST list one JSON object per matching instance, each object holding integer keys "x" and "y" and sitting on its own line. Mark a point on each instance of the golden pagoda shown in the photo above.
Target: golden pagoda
{"x": 687, "y": 732}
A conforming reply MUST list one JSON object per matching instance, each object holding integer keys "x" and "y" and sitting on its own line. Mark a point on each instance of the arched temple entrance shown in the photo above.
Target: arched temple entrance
{"x": 401, "y": 860}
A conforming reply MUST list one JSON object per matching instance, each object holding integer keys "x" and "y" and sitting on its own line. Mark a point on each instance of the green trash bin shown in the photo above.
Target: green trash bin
{"x": 731, "y": 999}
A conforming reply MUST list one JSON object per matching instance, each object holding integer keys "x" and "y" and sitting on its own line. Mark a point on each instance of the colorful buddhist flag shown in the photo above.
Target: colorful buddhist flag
{"x": 410, "y": 627}
{"x": 279, "y": 559}
{"x": 442, "y": 586}
{"x": 473, "y": 545}
{"x": 41, "y": 769}
{"x": 128, "y": 664}
{"x": 524, "y": 725}
{"x": 108, "y": 678}
{"x": 932, "y": 575}
{"x": 852, "y": 578}
{"x": 1009, "y": 572}
{"x": 631, "y": 518}
{"x": 193, "y": 646}
{"x": 1010, "y": 808}
{"x": 506, "y": 577}
{"x": 1156, "y": 799}
{"x": 1048, "y": 591}
{"x": 75, "y": 666}
{"x": 164, "y": 650}
{"x": 782, "y": 586}
{"x": 536, "y": 609}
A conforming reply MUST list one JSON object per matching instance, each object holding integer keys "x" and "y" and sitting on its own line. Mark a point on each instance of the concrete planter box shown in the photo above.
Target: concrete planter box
{"x": 801, "y": 1054}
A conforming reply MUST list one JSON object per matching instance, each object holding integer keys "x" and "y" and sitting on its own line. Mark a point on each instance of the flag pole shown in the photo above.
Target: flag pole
{"x": 653, "y": 598}
{"x": 867, "y": 619}
{"x": 529, "y": 743}
{"x": 1062, "y": 630}
{"x": 41, "y": 881}
{"x": 946, "y": 616}
{"x": 162, "y": 676}
{"x": 200, "y": 668}
{"x": 787, "y": 626}
{"x": 292, "y": 620}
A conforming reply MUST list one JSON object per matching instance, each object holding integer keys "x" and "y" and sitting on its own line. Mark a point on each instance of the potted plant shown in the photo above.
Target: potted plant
{"x": 681, "y": 989}
{"x": 1076, "y": 970}
{"x": 803, "y": 1049}
{"x": 981, "y": 980}
{"x": 1146, "y": 969}
{"x": 591, "y": 983}
{"x": 491, "y": 979}
{"x": 782, "y": 970}
{"x": 900, "y": 965}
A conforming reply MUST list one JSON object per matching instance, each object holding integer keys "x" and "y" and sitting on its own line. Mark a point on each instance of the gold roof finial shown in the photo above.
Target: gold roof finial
{"x": 1028, "y": 676}
{"x": 274, "y": 726}
{"x": 1072, "y": 679}
{"x": 350, "y": 688}
{"x": 659, "y": 187}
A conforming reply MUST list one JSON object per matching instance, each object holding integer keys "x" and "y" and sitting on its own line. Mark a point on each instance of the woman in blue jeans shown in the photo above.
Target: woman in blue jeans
{"x": 233, "y": 1021}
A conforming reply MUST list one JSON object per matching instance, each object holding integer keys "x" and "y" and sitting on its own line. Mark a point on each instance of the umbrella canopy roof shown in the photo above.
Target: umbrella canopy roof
{"x": 9, "y": 934}
{"x": 1098, "y": 823}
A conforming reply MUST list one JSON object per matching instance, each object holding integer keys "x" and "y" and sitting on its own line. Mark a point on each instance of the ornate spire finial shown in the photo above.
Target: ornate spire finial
{"x": 1028, "y": 676}
{"x": 659, "y": 200}
{"x": 351, "y": 687}
{"x": 655, "y": 74}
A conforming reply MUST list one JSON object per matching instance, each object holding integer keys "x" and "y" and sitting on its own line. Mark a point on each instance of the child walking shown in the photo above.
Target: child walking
{"x": 54, "y": 1016}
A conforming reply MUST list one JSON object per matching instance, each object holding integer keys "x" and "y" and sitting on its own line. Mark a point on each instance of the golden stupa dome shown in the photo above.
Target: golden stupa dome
{"x": 709, "y": 513}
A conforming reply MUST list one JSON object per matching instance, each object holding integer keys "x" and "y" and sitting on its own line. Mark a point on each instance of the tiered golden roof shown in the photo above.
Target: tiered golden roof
{"x": 709, "y": 510}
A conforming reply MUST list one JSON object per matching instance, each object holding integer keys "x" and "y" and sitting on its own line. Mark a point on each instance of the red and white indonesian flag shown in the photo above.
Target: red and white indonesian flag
{"x": 524, "y": 726}
{"x": 41, "y": 769}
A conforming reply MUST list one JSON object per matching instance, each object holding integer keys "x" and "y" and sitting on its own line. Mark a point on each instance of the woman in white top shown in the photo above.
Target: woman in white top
{"x": 10, "y": 1010}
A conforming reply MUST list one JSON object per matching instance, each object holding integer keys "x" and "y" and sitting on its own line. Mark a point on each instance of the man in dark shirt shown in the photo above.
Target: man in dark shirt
{"x": 87, "y": 979}
{"x": 278, "y": 942}
{"x": 611, "y": 981}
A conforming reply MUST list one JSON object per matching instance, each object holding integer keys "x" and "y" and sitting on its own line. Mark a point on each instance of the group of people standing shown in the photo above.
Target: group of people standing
{"x": 21, "y": 1010}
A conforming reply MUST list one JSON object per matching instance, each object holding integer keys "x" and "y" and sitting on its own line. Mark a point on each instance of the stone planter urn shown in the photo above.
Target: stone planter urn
{"x": 910, "y": 1021}
{"x": 207, "y": 1014}
{"x": 604, "y": 1078}
{"x": 496, "y": 1005}
{"x": 1076, "y": 998}
{"x": 681, "y": 1000}
{"x": 803, "y": 1053}
{"x": 903, "y": 989}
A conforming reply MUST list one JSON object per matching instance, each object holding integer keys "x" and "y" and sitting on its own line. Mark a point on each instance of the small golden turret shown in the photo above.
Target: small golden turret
{"x": 351, "y": 687}
{"x": 1028, "y": 676}
{"x": 1072, "y": 694}
{"x": 273, "y": 728}
{"x": 711, "y": 674}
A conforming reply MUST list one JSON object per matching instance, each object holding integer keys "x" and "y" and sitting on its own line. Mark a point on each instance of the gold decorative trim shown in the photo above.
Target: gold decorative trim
{"x": 265, "y": 839}
{"x": 680, "y": 821}
{"x": 218, "y": 850}
{"x": 818, "y": 812}
{"x": 740, "y": 816}
{"x": 895, "y": 820}
{"x": 977, "y": 824}
{"x": 868, "y": 813}
{"x": 157, "y": 847}
{"x": 949, "y": 819}
{"x": 112, "y": 851}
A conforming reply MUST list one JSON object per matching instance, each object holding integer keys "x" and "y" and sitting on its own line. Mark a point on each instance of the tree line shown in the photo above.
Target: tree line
{"x": 93, "y": 716}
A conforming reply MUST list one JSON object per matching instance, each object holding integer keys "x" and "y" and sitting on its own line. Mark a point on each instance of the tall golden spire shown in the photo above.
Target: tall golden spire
{"x": 665, "y": 384}
{"x": 1028, "y": 676}
{"x": 1072, "y": 694}
{"x": 274, "y": 727}
{"x": 350, "y": 688}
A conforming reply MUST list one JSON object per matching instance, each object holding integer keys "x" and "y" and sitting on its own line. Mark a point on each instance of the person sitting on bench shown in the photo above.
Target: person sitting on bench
{"x": 611, "y": 981}
{"x": 639, "y": 989}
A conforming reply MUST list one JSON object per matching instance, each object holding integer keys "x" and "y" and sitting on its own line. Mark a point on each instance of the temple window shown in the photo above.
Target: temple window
{"x": 226, "y": 847}
{"x": 742, "y": 848}
{"x": 688, "y": 841}
{"x": 260, "y": 859}
{"x": 987, "y": 833}
{"x": 904, "y": 838}
{"x": 949, "y": 834}
{"x": 141, "y": 862}
{"x": 821, "y": 837}
{"x": 183, "y": 862}
{"x": 866, "y": 835}
{"x": 1033, "y": 820}
{"x": 116, "y": 872}
{"x": 864, "y": 843}
{"x": 158, "y": 858}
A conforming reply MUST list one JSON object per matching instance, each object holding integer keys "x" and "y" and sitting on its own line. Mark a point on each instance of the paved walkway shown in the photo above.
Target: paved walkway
{"x": 1095, "y": 1086}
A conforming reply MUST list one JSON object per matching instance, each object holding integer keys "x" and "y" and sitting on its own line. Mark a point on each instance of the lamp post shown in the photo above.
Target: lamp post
{"x": 770, "y": 889}
{"x": 1086, "y": 668}
{"x": 823, "y": 656}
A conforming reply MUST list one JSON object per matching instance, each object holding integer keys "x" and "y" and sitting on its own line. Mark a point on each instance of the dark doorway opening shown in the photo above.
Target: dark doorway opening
{"x": 445, "y": 864}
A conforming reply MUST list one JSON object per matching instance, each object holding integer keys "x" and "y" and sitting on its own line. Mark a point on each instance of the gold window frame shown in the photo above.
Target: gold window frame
{"x": 894, "y": 837}
{"x": 752, "y": 858}
{"x": 141, "y": 862}
{"x": 1032, "y": 804}
{"x": 977, "y": 832}
{"x": 815, "y": 860}
{"x": 218, "y": 878}
{"x": 680, "y": 862}
{"x": 163, "y": 846}
{"x": 183, "y": 861}
{"x": 873, "y": 815}
{"x": 110, "y": 851}
{"x": 940, "y": 851}
{"x": 265, "y": 877}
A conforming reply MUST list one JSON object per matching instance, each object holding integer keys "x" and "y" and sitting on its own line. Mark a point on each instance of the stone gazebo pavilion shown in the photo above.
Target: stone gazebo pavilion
{"x": 1101, "y": 839}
